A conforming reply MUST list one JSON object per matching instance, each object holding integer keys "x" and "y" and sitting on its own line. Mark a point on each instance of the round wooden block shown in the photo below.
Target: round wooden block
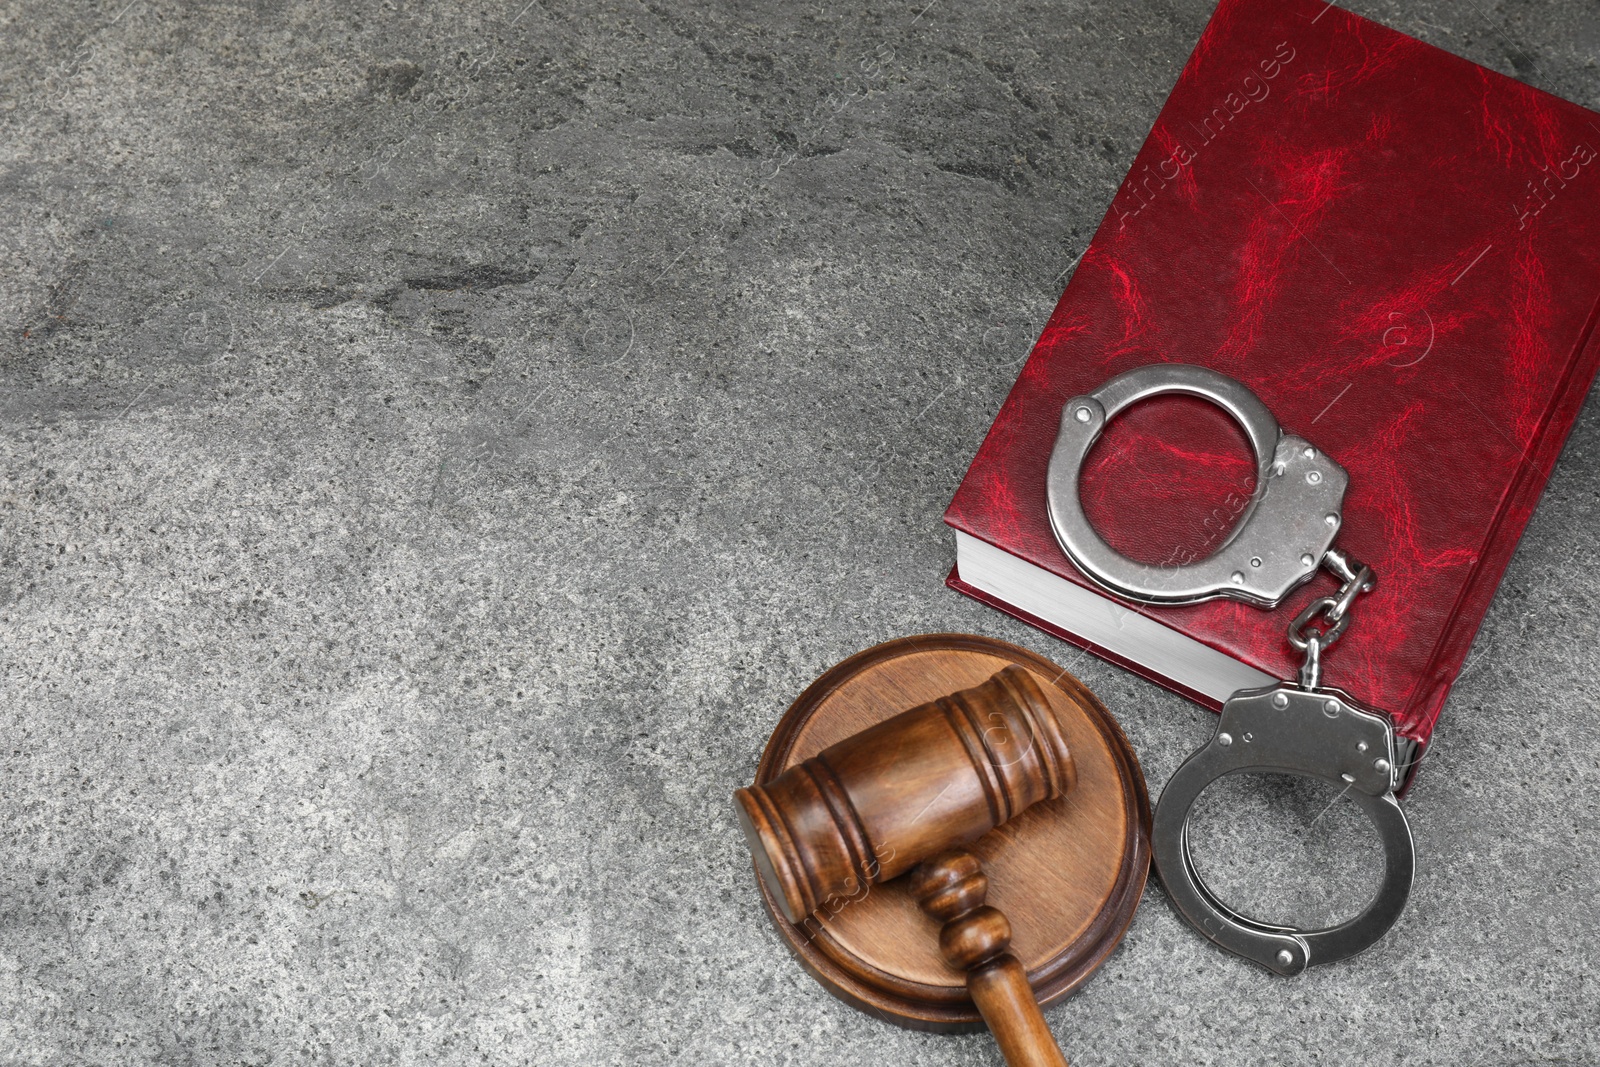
{"x": 1067, "y": 873}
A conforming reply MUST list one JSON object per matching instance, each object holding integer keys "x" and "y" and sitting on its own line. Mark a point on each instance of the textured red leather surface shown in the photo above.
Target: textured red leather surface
{"x": 1399, "y": 251}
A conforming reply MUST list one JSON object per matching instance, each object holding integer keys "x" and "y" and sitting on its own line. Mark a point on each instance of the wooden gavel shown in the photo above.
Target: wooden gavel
{"x": 902, "y": 796}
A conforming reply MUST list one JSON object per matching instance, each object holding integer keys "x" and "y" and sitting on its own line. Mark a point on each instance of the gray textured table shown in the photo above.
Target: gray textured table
{"x": 439, "y": 443}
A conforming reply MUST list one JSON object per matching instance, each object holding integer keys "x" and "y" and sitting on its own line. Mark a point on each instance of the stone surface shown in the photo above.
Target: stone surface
{"x": 439, "y": 442}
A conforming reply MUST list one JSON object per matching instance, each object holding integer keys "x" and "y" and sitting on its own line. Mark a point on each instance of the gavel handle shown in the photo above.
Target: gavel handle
{"x": 951, "y": 887}
{"x": 1001, "y": 991}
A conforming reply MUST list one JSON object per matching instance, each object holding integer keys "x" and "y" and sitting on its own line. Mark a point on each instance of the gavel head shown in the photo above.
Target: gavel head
{"x": 875, "y": 805}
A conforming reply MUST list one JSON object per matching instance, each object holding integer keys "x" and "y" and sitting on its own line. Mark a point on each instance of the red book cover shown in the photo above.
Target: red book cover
{"x": 1398, "y": 251}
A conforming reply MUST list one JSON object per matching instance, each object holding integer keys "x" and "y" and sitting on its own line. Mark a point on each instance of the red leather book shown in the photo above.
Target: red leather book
{"x": 1399, "y": 252}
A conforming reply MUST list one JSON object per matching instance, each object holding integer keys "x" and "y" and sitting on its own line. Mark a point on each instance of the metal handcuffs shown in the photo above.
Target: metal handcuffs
{"x": 1301, "y": 727}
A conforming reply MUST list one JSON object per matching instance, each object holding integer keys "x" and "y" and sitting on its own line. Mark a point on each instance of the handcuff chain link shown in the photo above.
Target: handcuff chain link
{"x": 1330, "y": 613}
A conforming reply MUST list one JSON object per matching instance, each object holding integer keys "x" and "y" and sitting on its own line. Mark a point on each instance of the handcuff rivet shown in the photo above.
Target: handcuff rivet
{"x": 1285, "y": 957}
{"x": 1331, "y": 520}
{"x": 1280, "y": 700}
{"x": 1331, "y": 709}
{"x": 1381, "y": 765}
{"x": 1224, "y": 739}
{"x": 1310, "y": 453}
{"x": 1238, "y": 577}
{"x": 1307, "y": 560}
{"x": 1082, "y": 415}
{"x": 1314, "y": 477}
{"x": 1255, "y": 561}
{"x": 1361, "y": 746}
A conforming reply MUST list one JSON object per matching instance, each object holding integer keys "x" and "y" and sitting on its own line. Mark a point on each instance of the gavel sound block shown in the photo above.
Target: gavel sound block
{"x": 1001, "y": 752}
